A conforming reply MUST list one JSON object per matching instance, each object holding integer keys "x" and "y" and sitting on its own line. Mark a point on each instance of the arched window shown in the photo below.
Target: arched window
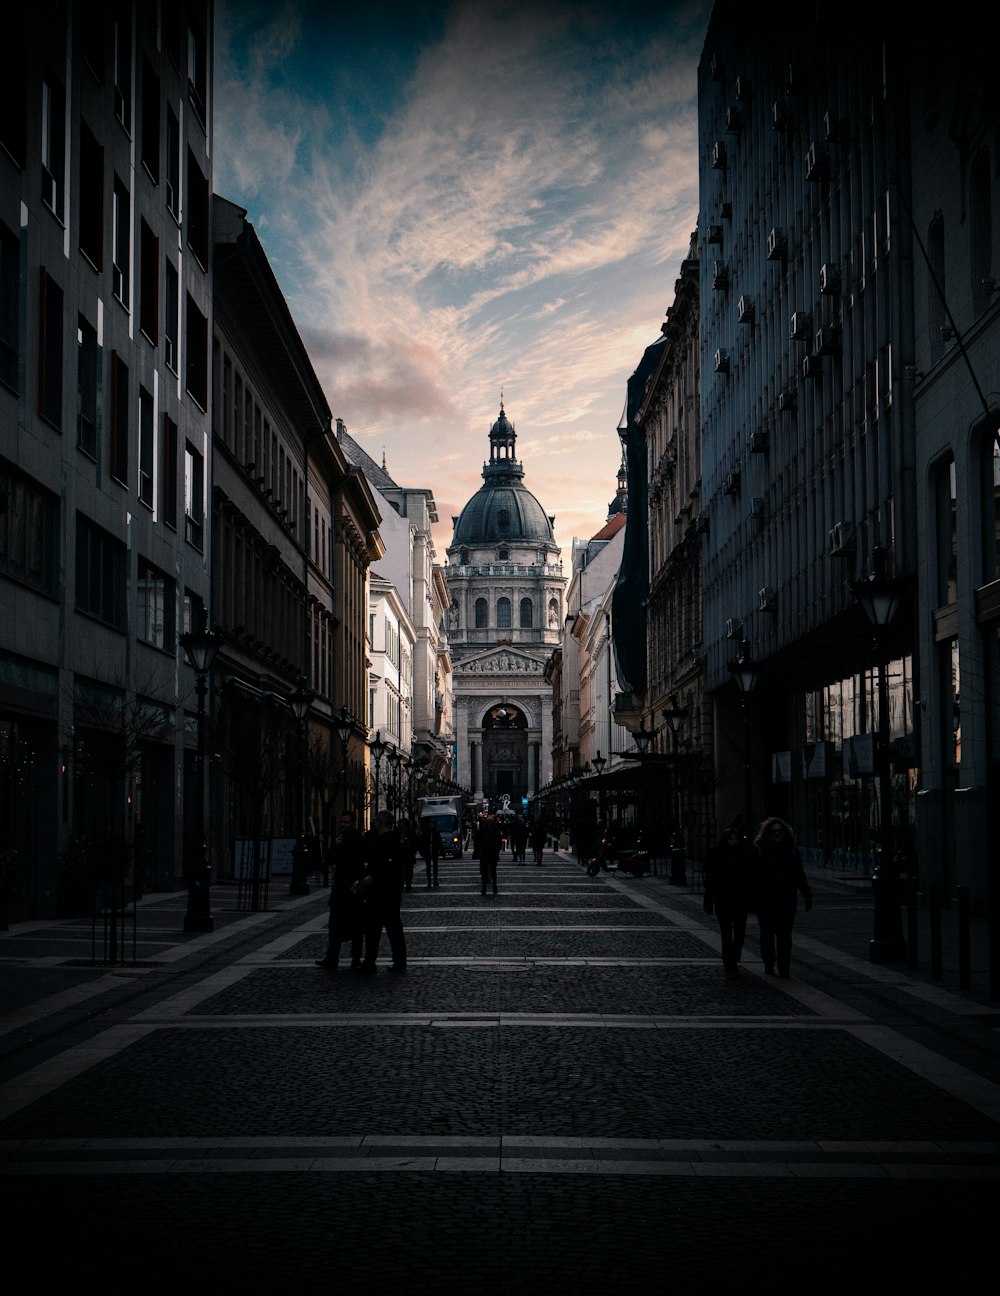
{"x": 482, "y": 614}
{"x": 503, "y": 554}
{"x": 526, "y": 614}
{"x": 463, "y": 557}
{"x": 503, "y": 614}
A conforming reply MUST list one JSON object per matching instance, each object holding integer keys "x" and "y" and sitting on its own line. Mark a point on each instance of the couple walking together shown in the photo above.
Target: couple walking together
{"x": 369, "y": 875}
{"x": 764, "y": 879}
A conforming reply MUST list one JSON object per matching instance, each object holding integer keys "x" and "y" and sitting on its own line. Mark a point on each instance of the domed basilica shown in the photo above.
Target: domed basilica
{"x": 506, "y": 585}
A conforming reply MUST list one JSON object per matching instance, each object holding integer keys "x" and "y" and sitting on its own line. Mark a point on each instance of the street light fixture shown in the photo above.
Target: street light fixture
{"x": 344, "y": 727}
{"x": 746, "y": 672}
{"x": 200, "y": 648}
{"x": 642, "y": 737}
{"x": 880, "y": 595}
{"x": 674, "y": 715}
{"x": 300, "y": 702}
{"x": 393, "y": 757}
{"x": 378, "y": 751}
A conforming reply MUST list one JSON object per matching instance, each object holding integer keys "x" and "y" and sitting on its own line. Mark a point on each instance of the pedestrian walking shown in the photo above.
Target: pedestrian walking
{"x": 490, "y": 841}
{"x": 729, "y": 881}
{"x": 539, "y": 836}
{"x": 778, "y": 878}
{"x": 383, "y": 884}
{"x": 519, "y": 839}
{"x": 347, "y": 916}
{"x": 431, "y": 847}
{"x": 408, "y": 846}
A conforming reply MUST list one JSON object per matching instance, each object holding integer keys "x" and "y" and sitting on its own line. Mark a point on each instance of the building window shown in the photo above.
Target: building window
{"x": 197, "y": 70}
{"x": 14, "y": 86}
{"x": 503, "y": 614}
{"x": 196, "y": 354}
{"x": 88, "y": 358}
{"x": 155, "y": 607}
{"x": 123, "y": 63}
{"x": 990, "y": 477}
{"x": 29, "y": 533}
{"x": 946, "y": 519}
{"x": 171, "y": 315}
{"x": 526, "y": 614}
{"x": 191, "y": 612}
{"x": 173, "y": 177}
{"x": 120, "y": 241}
{"x": 50, "y": 351}
{"x": 194, "y": 496}
{"x": 168, "y": 473}
{"x": 503, "y": 554}
{"x": 10, "y": 258}
{"x": 149, "y": 283}
{"x": 101, "y": 569}
{"x": 197, "y": 210}
{"x": 91, "y": 198}
{"x": 146, "y": 449}
{"x": 482, "y": 614}
{"x": 53, "y": 144}
{"x": 119, "y": 419}
{"x": 150, "y": 121}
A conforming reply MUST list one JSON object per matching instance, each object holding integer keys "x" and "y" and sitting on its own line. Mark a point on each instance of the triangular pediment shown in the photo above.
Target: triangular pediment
{"x": 500, "y": 661}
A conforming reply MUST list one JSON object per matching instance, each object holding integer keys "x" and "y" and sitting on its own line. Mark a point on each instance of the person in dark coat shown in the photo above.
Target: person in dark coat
{"x": 431, "y": 847}
{"x": 778, "y": 879}
{"x": 539, "y": 836}
{"x": 729, "y": 880}
{"x": 490, "y": 841}
{"x": 519, "y": 839}
{"x": 347, "y": 918}
{"x": 383, "y": 884}
{"x": 408, "y": 845}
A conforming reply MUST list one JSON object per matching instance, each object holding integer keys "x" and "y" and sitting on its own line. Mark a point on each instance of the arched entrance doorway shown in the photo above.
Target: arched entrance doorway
{"x": 505, "y": 753}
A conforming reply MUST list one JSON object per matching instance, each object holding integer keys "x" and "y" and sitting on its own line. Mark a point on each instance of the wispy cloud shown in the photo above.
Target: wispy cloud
{"x": 514, "y": 218}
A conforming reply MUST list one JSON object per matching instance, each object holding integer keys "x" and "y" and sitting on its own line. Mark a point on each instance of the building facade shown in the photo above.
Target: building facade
{"x": 105, "y": 531}
{"x": 506, "y": 608}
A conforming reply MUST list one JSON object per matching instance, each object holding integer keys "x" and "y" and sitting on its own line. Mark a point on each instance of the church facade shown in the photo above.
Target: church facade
{"x": 506, "y": 585}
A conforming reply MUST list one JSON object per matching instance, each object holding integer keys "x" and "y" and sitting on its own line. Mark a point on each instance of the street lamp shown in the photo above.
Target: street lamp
{"x": 880, "y": 595}
{"x": 345, "y": 727}
{"x": 394, "y": 758}
{"x": 377, "y": 750}
{"x": 599, "y": 763}
{"x": 642, "y": 737}
{"x": 746, "y": 672}
{"x": 300, "y": 702}
{"x": 674, "y": 715}
{"x": 200, "y": 647}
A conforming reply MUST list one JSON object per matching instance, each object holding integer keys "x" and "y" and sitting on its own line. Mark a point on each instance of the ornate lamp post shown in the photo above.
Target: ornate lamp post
{"x": 200, "y": 648}
{"x": 599, "y": 763}
{"x": 674, "y": 715}
{"x": 345, "y": 727}
{"x": 394, "y": 758}
{"x": 300, "y": 702}
{"x": 880, "y": 595}
{"x": 746, "y": 672}
{"x": 378, "y": 751}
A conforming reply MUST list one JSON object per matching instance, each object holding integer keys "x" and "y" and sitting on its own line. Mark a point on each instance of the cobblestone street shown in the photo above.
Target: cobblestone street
{"x": 563, "y": 1089}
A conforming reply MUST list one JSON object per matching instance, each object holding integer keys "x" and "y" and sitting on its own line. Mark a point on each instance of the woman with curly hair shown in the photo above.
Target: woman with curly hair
{"x": 778, "y": 878}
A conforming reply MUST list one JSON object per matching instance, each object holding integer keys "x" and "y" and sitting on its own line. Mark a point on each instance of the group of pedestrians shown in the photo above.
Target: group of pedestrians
{"x": 765, "y": 878}
{"x": 370, "y": 873}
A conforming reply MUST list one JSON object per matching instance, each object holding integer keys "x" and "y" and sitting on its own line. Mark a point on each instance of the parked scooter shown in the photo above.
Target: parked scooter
{"x": 607, "y": 858}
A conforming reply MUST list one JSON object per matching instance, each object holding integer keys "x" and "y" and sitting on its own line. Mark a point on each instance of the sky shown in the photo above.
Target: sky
{"x": 465, "y": 199}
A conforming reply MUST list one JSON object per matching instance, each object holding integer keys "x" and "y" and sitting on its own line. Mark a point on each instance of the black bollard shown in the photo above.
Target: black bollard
{"x": 964, "y": 940}
{"x": 936, "y": 969}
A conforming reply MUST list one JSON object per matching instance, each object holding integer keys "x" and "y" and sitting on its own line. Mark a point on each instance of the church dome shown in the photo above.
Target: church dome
{"x": 503, "y": 509}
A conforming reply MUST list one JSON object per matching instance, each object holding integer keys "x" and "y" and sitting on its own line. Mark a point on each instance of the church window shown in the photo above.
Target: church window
{"x": 526, "y": 614}
{"x": 503, "y": 614}
{"x": 482, "y": 614}
{"x": 503, "y": 554}
{"x": 463, "y": 557}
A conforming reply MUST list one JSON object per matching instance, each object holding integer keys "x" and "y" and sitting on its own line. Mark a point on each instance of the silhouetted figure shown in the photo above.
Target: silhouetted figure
{"x": 539, "y": 836}
{"x": 519, "y": 839}
{"x": 431, "y": 847}
{"x": 347, "y": 915}
{"x": 778, "y": 878}
{"x": 383, "y": 883}
{"x": 729, "y": 880}
{"x": 490, "y": 844}
{"x": 408, "y": 846}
